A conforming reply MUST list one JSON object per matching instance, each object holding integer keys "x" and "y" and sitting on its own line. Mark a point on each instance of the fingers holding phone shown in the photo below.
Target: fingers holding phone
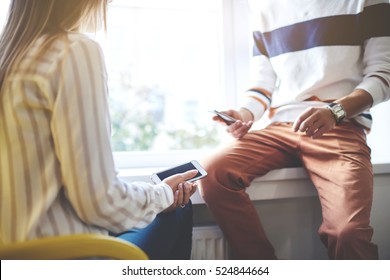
{"x": 226, "y": 117}
{"x": 239, "y": 129}
{"x": 190, "y": 171}
{"x": 174, "y": 180}
{"x": 182, "y": 191}
{"x": 182, "y": 181}
{"x": 182, "y": 195}
{"x": 236, "y": 126}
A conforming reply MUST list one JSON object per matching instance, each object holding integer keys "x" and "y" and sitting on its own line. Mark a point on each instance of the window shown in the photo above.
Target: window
{"x": 164, "y": 68}
{"x": 4, "y": 4}
{"x": 165, "y": 61}
{"x": 169, "y": 63}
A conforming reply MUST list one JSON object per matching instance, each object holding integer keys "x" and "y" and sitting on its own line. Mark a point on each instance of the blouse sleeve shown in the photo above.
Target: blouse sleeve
{"x": 81, "y": 128}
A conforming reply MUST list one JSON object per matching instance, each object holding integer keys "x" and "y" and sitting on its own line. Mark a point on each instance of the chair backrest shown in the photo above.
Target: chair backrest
{"x": 80, "y": 246}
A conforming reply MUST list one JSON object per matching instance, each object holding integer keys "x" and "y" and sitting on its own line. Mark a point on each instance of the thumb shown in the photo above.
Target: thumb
{"x": 189, "y": 174}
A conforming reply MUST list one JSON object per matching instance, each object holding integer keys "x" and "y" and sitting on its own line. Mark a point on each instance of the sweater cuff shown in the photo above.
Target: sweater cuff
{"x": 168, "y": 192}
{"x": 375, "y": 88}
{"x": 255, "y": 107}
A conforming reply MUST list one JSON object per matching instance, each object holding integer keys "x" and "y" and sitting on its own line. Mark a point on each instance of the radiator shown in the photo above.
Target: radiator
{"x": 208, "y": 243}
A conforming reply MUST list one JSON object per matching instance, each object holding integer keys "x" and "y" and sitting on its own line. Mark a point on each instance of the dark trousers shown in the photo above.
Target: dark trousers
{"x": 168, "y": 237}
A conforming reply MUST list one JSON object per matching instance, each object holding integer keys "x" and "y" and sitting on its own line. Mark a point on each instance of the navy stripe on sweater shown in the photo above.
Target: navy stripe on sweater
{"x": 345, "y": 30}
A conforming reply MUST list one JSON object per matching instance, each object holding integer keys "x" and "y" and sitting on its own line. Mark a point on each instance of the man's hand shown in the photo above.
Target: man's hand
{"x": 240, "y": 127}
{"x": 315, "y": 121}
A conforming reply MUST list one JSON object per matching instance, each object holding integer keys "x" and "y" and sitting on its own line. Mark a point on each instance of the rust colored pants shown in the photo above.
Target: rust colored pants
{"x": 339, "y": 166}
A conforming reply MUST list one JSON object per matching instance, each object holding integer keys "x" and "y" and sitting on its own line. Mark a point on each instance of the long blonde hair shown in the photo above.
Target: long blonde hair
{"x": 28, "y": 20}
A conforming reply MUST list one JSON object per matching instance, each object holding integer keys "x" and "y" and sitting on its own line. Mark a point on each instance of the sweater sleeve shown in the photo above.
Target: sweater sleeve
{"x": 257, "y": 99}
{"x": 376, "y": 57}
{"x": 81, "y": 129}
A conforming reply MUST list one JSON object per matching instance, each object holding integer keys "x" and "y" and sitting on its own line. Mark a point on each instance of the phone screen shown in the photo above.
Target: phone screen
{"x": 179, "y": 169}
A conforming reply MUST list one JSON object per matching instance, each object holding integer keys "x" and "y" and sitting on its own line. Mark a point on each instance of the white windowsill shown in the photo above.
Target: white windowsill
{"x": 277, "y": 184}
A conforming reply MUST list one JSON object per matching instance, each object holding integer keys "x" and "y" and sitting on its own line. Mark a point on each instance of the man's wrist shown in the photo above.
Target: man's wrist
{"x": 246, "y": 115}
{"x": 337, "y": 111}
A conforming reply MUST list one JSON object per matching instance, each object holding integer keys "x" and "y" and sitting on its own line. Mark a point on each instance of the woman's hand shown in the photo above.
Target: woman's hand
{"x": 182, "y": 190}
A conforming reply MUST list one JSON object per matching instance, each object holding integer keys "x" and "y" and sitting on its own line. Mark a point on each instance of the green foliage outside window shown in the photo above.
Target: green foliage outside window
{"x": 142, "y": 127}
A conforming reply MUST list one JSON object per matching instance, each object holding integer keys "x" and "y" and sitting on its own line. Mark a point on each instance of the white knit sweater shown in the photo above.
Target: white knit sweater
{"x": 311, "y": 52}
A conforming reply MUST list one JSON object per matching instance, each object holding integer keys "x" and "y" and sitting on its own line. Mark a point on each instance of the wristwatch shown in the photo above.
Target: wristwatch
{"x": 337, "y": 111}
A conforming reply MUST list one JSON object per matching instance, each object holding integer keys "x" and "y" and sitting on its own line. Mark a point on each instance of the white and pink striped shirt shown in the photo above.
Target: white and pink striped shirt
{"x": 57, "y": 173}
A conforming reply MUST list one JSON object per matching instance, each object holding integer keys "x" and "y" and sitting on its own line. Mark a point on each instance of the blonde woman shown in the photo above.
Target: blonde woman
{"x": 57, "y": 172}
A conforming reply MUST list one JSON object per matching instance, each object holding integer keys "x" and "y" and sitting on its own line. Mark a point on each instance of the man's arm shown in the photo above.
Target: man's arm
{"x": 356, "y": 102}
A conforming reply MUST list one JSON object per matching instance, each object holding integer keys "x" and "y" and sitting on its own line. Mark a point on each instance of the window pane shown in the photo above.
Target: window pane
{"x": 4, "y": 4}
{"x": 164, "y": 65}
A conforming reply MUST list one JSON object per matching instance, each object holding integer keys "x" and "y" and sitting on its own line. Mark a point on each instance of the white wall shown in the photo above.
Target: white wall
{"x": 379, "y": 136}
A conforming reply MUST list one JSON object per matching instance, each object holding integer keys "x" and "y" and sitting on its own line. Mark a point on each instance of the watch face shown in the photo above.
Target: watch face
{"x": 338, "y": 112}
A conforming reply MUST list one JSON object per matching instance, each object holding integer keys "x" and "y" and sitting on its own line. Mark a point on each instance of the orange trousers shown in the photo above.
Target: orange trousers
{"x": 339, "y": 166}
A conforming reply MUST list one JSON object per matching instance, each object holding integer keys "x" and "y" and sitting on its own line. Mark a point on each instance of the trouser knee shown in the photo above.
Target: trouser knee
{"x": 222, "y": 175}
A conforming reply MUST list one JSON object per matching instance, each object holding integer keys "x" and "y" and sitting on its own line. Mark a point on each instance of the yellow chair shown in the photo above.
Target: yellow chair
{"x": 79, "y": 246}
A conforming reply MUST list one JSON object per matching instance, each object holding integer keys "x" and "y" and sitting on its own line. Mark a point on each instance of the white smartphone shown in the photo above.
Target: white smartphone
{"x": 160, "y": 176}
{"x": 226, "y": 118}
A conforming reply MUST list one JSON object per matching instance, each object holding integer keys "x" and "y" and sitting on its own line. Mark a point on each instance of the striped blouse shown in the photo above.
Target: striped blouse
{"x": 311, "y": 52}
{"x": 57, "y": 172}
